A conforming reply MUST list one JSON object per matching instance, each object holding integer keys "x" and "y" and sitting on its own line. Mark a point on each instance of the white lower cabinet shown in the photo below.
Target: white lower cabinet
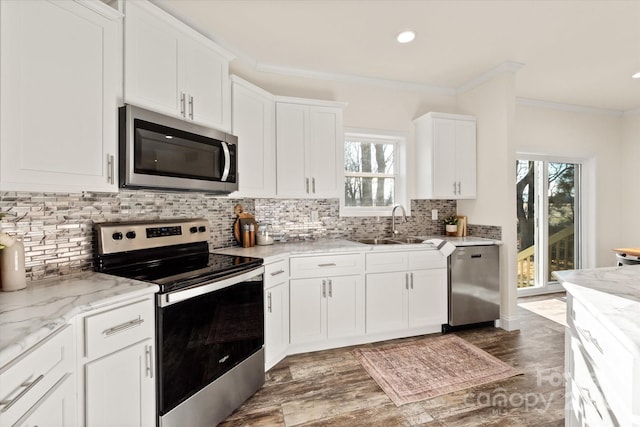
{"x": 276, "y": 312}
{"x": 326, "y": 300}
{"x": 116, "y": 365}
{"x": 38, "y": 388}
{"x": 406, "y": 298}
{"x": 119, "y": 388}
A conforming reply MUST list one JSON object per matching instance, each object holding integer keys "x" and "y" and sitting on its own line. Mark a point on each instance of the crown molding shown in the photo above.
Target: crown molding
{"x": 568, "y": 107}
{"x": 505, "y": 67}
{"x": 351, "y": 78}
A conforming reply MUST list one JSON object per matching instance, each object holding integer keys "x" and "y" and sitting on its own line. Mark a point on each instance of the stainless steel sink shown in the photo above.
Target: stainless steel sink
{"x": 379, "y": 242}
{"x": 390, "y": 241}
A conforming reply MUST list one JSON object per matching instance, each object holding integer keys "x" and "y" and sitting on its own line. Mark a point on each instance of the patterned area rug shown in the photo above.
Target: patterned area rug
{"x": 431, "y": 367}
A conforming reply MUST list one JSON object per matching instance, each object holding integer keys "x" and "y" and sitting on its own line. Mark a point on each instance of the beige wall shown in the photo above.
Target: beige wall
{"x": 630, "y": 195}
{"x": 493, "y": 103}
{"x": 597, "y": 139}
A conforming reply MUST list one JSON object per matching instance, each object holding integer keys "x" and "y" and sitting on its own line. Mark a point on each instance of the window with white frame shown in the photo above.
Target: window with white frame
{"x": 373, "y": 172}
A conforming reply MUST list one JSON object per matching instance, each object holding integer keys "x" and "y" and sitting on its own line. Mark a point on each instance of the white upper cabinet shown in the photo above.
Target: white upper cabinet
{"x": 446, "y": 156}
{"x": 309, "y": 147}
{"x": 172, "y": 69}
{"x": 59, "y": 78}
{"x": 254, "y": 115}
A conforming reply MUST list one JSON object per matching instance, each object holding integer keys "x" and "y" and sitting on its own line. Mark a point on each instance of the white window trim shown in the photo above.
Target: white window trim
{"x": 586, "y": 205}
{"x": 399, "y": 166}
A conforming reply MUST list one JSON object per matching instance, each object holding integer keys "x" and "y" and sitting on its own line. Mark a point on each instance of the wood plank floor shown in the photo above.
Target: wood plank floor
{"x": 330, "y": 388}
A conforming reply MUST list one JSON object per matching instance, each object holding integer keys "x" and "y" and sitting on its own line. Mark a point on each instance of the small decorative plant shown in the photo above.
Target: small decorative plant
{"x": 451, "y": 220}
{"x": 451, "y": 225}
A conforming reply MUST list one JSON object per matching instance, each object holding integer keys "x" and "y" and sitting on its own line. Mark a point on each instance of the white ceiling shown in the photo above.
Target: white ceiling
{"x": 578, "y": 52}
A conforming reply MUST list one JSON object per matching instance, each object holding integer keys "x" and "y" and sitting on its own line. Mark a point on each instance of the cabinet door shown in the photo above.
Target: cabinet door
{"x": 56, "y": 408}
{"x": 120, "y": 388}
{"x": 276, "y": 323}
{"x": 59, "y": 83}
{"x": 206, "y": 84}
{"x": 291, "y": 135}
{"x": 254, "y": 125}
{"x": 151, "y": 61}
{"x": 466, "y": 158}
{"x": 386, "y": 302}
{"x": 345, "y": 305}
{"x": 324, "y": 151}
{"x": 308, "y": 314}
{"x": 444, "y": 158}
{"x": 428, "y": 297}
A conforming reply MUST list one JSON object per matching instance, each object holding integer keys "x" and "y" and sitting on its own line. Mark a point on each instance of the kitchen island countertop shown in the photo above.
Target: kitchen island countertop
{"x": 614, "y": 293}
{"x": 29, "y": 315}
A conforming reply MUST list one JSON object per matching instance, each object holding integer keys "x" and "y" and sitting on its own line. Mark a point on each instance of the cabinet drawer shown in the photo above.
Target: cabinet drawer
{"x": 422, "y": 260}
{"x": 326, "y": 265}
{"x": 276, "y": 273}
{"x": 112, "y": 330}
{"x": 605, "y": 350}
{"x": 25, "y": 380}
{"x": 382, "y": 262}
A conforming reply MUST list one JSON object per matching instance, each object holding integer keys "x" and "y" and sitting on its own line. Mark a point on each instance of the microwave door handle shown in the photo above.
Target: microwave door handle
{"x": 227, "y": 161}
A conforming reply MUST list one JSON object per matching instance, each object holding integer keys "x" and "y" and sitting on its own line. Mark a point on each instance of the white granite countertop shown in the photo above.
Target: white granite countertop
{"x": 464, "y": 241}
{"x": 29, "y": 315}
{"x": 614, "y": 293}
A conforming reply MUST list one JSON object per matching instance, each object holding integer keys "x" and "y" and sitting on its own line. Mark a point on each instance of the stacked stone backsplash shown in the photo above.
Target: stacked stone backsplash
{"x": 56, "y": 228}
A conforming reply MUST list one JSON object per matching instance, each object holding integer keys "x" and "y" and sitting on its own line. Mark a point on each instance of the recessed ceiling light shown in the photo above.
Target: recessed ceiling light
{"x": 406, "y": 36}
{"x": 636, "y": 75}
{"x": 168, "y": 137}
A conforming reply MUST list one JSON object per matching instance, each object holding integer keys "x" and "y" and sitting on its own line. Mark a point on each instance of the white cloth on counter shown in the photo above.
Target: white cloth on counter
{"x": 445, "y": 248}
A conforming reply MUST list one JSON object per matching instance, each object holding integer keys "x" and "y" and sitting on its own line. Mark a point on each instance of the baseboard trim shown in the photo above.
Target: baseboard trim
{"x": 508, "y": 323}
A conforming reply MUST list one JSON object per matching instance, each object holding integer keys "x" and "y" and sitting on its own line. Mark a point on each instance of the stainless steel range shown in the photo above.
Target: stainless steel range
{"x": 209, "y": 315}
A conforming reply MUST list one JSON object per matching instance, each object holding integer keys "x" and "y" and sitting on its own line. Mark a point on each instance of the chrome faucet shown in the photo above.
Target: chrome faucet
{"x": 393, "y": 218}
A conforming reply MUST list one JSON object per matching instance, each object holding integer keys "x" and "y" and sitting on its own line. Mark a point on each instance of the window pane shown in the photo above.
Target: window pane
{"x": 561, "y": 225}
{"x": 525, "y": 201}
{"x": 362, "y": 156}
{"x": 361, "y": 191}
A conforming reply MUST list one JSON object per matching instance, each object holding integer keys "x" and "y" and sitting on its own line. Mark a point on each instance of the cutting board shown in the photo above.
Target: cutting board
{"x": 243, "y": 218}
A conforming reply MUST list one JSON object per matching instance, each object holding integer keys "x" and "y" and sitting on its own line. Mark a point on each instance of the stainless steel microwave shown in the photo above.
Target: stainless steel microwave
{"x": 162, "y": 152}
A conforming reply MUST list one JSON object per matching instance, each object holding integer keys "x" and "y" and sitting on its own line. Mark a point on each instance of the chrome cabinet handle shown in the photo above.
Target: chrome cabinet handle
{"x": 459, "y": 188}
{"x": 123, "y": 327}
{"x": 183, "y": 106}
{"x": 8, "y": 403}
{"x": 269, "y": 302}
{"x": 275, "y": 273}
{"x": 324, "y": 288}
{"x": 411, "y": 280}
{"x": 307, "y": 184}
{"x": 406, "y": 281}
{"x": 110, "y": 169}
{"x": 329, "y": 264}
{"x": 191, "y": 107}
{"x": 330, "y": 289}
{"x": 590, "y": 338}
{"x": 148, "y": 350}
{"x": 313, "y": 185}
{"x": 454, "y": 187}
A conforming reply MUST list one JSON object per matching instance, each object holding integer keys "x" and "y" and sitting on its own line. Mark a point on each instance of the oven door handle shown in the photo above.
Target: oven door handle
{"x": 170, "y": 298}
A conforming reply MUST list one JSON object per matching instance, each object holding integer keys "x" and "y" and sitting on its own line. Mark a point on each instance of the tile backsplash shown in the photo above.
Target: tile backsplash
{"x": 56, "y": 228}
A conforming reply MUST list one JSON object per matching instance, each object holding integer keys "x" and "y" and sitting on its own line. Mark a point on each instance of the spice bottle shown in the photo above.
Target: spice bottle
{"x": 245, "y": 236}
{"x": 252, "y": 235}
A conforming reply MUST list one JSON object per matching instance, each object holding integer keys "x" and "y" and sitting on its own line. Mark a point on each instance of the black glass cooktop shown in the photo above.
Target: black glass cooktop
{"x": 185, "y": 271}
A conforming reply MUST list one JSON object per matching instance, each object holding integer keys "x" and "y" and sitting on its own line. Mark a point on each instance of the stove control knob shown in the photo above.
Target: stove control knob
{"x": 193, "y": 229}
{"x": 131, "y": 234}
{"x": 117, "y": 235}
{"x": 202, "y": 229}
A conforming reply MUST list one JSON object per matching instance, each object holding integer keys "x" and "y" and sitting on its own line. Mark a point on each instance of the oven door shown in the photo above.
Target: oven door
{"x": 206, "y": 331}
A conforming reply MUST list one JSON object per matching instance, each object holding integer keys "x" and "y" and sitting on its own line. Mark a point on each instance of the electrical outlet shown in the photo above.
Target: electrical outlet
{"x": 314, "y": 216}
{"x": 434, "y": 214}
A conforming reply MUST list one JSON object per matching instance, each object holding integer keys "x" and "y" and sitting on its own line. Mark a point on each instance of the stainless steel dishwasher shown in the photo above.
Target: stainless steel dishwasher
{"x": 474, "y": 286}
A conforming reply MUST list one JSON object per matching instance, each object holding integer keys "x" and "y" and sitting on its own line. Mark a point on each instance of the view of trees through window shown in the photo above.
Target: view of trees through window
{"x": 369, "y": 172}
{"x": 556, "y": 181}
